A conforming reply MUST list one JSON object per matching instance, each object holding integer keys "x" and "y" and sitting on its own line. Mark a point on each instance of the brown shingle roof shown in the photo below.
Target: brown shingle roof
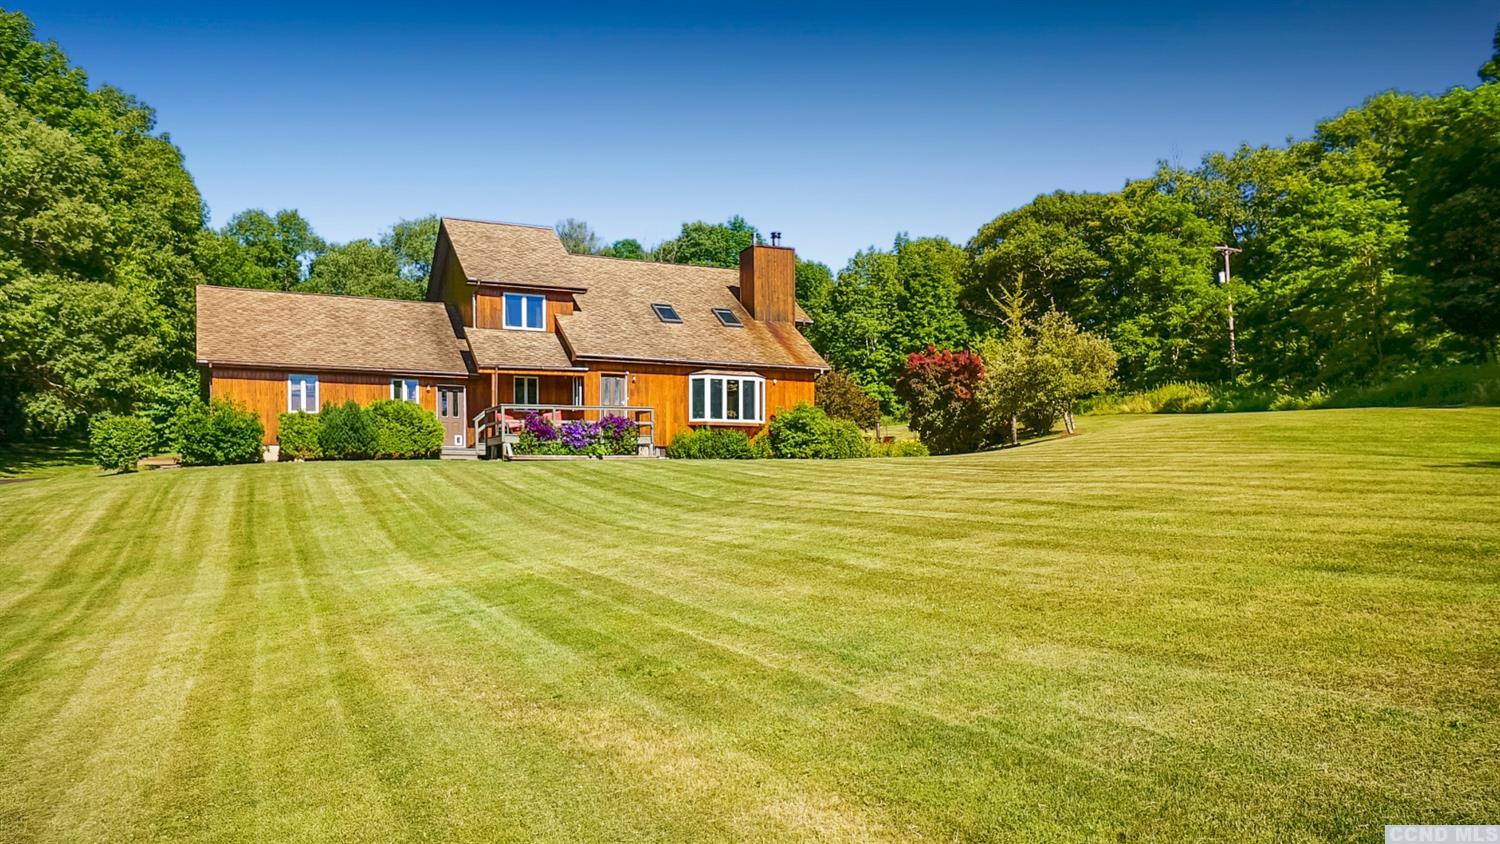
{"x": 497, "y": 348}
{"x": 313, "y": 331}
{"x": 512, "y": 253}
{"x": 614, "y": 319}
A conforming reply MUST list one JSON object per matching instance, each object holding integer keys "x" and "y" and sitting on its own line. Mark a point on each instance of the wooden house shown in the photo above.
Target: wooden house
{"x": 513, "y": 323}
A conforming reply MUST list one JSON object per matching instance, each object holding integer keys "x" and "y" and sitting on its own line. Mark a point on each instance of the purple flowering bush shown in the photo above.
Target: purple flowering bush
{"x": 538, "y": 427}
{"x": 610, "y": 435}
{"x": 578, "y": 435}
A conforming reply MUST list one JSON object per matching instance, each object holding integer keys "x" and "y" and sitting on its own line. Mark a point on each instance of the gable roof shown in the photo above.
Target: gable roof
{"x": 526, "y": 255}
{"x": 497, "y": 348}
{"x": 315, "y": 331}
{"x": 614, "y": 319}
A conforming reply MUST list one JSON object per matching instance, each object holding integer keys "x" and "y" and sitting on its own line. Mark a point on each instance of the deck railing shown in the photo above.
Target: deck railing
{"x": 499, "y": 426}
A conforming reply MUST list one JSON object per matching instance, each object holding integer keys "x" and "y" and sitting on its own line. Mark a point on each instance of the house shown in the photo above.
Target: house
{"x": 513, "y": 320}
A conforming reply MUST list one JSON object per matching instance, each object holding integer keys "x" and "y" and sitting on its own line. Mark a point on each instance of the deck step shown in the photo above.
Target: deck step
{"x": 453, "y": 452}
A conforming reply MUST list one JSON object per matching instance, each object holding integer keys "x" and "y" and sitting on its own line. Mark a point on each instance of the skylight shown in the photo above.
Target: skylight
{"x": 666, "y": 313}
{"x": 728, "y": 318}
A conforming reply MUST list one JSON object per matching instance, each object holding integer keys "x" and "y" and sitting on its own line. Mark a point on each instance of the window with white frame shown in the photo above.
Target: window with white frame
{"x": 526, "y": 311}
{"x": 302, "y": 393}
{"x": 405, "y": 389}
{"x": 726, "y": 398}
{"x": 526, "y": 389}
{"x": 612, "y": 390}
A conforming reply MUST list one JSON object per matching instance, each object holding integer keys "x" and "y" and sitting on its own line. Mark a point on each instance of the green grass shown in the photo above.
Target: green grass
{"x": 44, "y": 458}
{"x": 1250, "y": 626}
{"x": 1475, "y": 385}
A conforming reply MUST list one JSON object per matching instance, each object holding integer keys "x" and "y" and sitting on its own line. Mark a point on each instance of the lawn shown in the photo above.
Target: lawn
{"x": 1254, "y": 626}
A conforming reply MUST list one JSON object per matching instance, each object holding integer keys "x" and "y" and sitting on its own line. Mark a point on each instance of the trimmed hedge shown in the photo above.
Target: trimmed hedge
{"x": 297, "y": 434}
{"x": 217, "y": 434}
{"x": 404, "y": 430}
{"x": 712, "y": 444}
{"x": 346, "y": 432}
{"x": 805, "y": 431}
{"x": 388, "y": 429}
{"x": 119, "y": 442}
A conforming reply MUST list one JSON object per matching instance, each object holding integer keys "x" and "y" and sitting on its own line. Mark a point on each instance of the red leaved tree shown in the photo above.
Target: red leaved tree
{"x": 941, "y": 388}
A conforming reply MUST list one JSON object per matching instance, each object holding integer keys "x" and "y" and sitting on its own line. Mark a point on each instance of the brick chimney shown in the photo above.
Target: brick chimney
{"x": 768, "y": 282}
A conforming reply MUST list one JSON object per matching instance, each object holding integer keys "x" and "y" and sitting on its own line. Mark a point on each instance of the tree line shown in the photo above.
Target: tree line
{"x": 1364, "y": 251}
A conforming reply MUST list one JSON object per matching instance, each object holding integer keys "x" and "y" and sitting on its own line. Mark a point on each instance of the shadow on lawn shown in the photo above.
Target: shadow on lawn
{"x": 37, "y": 458}
{"x": 1469, "y": 464}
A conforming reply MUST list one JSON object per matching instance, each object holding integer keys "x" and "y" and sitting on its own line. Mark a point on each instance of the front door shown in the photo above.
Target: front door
{"x": 451, "y": 412}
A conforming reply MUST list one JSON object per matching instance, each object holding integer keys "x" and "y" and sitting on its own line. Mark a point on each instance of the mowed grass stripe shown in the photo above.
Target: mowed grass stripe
{"x": 1267, "y": 626}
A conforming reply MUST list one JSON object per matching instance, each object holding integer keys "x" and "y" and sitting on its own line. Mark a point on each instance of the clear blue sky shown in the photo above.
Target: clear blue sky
{"x": 838, "y": 127}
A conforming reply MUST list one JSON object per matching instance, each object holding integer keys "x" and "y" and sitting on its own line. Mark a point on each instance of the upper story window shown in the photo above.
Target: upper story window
{"x": 726, "y": 398}
{"x": 302, "y": 393}
{"x": 728, "y": 318}
{"x": 526, "y": 311}
{"x": 666, "y": 313}
{"x": 404, "y": 389}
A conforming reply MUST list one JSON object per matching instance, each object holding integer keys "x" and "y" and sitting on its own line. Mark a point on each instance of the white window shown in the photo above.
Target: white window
{"x": 405, "y": 389}
{"x": 526, "y": 310}
{"x": 526, "y": 390}
{"x": 302, "y": 393}
{"x": 612, "y": 390}
{"x": 726, "y": 398}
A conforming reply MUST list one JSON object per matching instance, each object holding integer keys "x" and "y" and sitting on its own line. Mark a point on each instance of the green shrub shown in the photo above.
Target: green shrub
{"x": 842, "y": 398}
{"x": 760, "y": 446}
{"x": 711, "y": 444}
{"x": 805, "y": 431}
{"x": 405, "y": 430}
{"x": 1477, "y": 385}
{"x": 119, "y": 442}
{"x": 347, "y": 432}
{"x": 1445, "y": 386}
{"x": 217, "y": 434}
{"x": 909, "y": 448}
{"x": 1183, "y": 397}
{"x": 844, "y": 441}
{"x": 297, "y": 434}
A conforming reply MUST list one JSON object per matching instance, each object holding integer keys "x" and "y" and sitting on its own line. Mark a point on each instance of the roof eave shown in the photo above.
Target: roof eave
{"x": 709, "y": 363}
{"x": 298, "y": 367}
{"x": 525, "y": 285}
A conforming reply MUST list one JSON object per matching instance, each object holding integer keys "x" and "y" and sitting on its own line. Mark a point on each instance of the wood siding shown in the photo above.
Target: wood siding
{"x": 768, "y": 283}
{"x": 664, "y": 387}
{"x": 264, "y": 391}
{"x": 491, "y": 304}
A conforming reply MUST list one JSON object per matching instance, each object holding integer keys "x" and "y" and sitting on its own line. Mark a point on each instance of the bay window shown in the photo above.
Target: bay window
{"x": 726, "y": 398}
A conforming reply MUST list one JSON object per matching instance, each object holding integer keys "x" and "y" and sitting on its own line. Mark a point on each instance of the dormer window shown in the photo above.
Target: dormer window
{"x": 666, "y": 313}
{"x": 526, "y": 311}
{"x": 728, "y": 318}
